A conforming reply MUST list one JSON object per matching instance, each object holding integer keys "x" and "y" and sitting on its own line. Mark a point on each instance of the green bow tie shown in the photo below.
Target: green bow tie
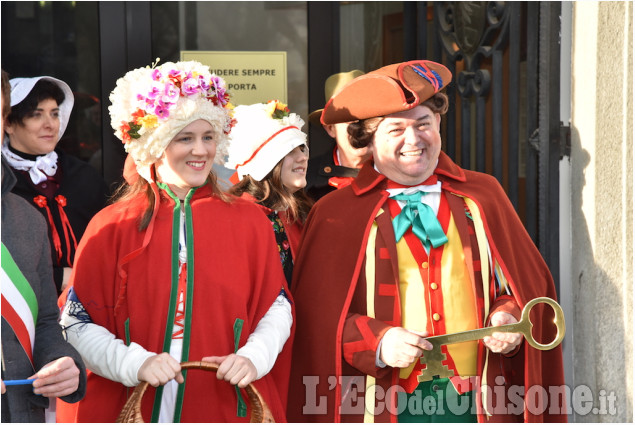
{"x": 420, "y": 216}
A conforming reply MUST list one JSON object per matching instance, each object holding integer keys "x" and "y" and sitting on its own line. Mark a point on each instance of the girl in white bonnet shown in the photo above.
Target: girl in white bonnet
{"x": 175, "y": 270}
{"x": 269, "y": 151}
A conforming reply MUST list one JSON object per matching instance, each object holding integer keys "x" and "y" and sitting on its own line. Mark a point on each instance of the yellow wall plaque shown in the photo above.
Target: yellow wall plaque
{"x": 251, "y": 77}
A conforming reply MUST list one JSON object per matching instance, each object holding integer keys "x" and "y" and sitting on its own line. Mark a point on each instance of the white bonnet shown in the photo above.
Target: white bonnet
{"x": 264, "y": 133}
{"x": 21, "y": 87}
{"x": 152, "y": 105}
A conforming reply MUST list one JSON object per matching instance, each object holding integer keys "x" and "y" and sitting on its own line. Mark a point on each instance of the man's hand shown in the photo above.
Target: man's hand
{"x": 401, "y": 347}
{"x": 57, "y": 378}
{"x": 502, "y": 342}
{"x": 237, "y": 370}
{"x": 159, "y": 369}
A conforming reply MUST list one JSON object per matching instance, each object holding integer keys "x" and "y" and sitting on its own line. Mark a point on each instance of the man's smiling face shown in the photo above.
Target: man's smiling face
{"x": 406, "y": 145}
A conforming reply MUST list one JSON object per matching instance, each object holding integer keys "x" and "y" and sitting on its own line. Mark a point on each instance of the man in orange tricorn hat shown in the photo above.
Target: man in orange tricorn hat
{"x": 416, "y": 246}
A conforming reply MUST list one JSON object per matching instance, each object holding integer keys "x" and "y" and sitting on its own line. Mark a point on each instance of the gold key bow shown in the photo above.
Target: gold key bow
{"x": 433, "y": 359}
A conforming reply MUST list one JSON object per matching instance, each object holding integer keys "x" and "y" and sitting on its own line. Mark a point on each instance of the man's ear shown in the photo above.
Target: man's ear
{"x": 330, "y": 129}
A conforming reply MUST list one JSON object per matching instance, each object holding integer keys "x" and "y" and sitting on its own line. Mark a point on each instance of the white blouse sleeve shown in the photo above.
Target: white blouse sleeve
{"x": 270, "y": 335}
{"x": 102, "y": 353}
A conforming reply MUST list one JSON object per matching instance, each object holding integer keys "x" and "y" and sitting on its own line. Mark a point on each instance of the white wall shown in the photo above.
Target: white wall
{"x": 602, "y": 205}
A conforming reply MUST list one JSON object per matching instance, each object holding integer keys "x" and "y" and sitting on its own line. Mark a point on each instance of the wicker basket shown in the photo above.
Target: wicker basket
{"x": 131, "y": 412}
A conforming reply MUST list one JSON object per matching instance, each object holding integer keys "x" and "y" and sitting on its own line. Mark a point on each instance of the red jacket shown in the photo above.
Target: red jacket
{"x": 329, "y": 277}
{"x": 237, "y": 275}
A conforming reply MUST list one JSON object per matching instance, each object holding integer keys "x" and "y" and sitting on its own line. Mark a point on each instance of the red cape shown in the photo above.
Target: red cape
{"x": 329, "y": 264}
{"x": 237, "y": 275}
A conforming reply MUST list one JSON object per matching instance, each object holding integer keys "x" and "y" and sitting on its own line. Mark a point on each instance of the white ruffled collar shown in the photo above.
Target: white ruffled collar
{"x": 43, "y": 166}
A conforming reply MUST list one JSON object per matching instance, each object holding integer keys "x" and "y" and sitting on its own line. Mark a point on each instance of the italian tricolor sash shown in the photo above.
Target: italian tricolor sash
{"x": 19, "y": 303}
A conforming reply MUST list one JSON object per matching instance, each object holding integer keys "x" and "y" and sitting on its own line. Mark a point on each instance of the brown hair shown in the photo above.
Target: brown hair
{"x": 141, "y": 187}
{"x": 271, "y": 193}
{"x": 6, "y": 95}
{"x": 362, "y": 132}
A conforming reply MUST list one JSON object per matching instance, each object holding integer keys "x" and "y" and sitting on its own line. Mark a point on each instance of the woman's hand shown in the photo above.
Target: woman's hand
{"x": 159, "y": 369}
{"x": 502, "y": 342}
{"x": 235, "y": 369}
{"x": 58, "y": 378}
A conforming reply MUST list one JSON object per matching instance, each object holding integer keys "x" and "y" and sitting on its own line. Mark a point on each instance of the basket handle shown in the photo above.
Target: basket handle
{"x": 131, "y": 412}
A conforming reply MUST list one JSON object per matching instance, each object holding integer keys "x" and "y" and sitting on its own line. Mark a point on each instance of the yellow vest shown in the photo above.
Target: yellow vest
{"x": 458, "y": 312}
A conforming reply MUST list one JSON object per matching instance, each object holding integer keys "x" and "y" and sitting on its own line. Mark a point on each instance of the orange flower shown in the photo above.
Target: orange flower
{"x": 139, "y": 114}
{"x": 125, "y": 128}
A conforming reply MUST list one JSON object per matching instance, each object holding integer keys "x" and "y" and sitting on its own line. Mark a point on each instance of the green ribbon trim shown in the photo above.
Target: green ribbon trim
{"x": 167, "y": 338}
{"x": 189, "y": 299}
{"x": 126, "y": 326}
{"x": 241, "y": 408}
{"x": 425, "y": 224}
{"x": 189, "y": 296}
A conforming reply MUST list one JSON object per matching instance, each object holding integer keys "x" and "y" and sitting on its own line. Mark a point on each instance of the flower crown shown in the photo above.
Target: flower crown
{"x": 159, "y": 99}
{"x": 151, "y": 105}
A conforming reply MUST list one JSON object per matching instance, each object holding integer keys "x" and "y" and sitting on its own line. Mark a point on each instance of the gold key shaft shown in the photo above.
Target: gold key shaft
{"x": 434, "y": 358}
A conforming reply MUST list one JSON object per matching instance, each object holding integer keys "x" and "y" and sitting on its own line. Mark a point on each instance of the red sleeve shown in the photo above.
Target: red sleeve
{"x": 361, "y": 337}
{"x": 505, "y": 303}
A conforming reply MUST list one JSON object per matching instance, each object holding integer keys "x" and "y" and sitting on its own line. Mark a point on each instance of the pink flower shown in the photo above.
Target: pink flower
{"x": 219, "y": 90}
{"x": 150, "y": 107}
{"x": 156, "y": 75}
{"x": 162, "y": 110}
{"x": 171, "y": 93}
{"x": 190, "y": 86}
{"x": 154, "y": 92}
{"x": 176, "y": 77}
{"x": 203, "y": 83}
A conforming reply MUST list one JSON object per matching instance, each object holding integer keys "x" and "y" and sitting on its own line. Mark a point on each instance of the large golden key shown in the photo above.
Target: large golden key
{"x": 433, "y": 359}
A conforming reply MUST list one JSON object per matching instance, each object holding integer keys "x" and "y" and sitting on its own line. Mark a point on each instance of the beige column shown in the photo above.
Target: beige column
{"x": 602, "y": 209}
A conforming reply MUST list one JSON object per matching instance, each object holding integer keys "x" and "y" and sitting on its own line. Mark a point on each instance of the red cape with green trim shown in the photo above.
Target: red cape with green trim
{"x": 237, "y": 274}
{"x": 331, "y": 257}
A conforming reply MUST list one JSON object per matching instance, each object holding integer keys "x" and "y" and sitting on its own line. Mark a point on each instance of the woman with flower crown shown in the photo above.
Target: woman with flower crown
{"x": 176, "y": 270}
{"x": 268, "y": 149}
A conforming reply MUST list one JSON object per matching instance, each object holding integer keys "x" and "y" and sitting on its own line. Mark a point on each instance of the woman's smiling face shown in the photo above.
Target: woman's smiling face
{"x": 38, "y": 133}
{"x": 187, "y": 161}
{"x": 294, "y": 165}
